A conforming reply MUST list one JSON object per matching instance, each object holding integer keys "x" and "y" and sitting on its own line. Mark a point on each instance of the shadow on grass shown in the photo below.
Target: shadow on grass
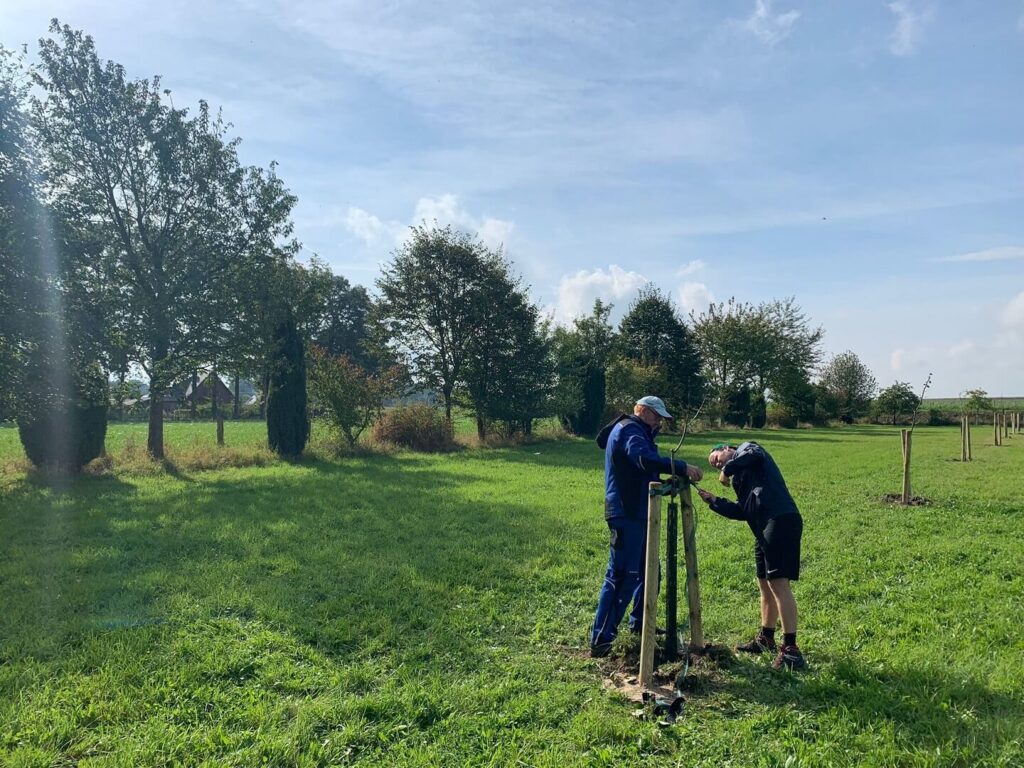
{"x": 928, "y": 706}
{"x": 383, "y": 555}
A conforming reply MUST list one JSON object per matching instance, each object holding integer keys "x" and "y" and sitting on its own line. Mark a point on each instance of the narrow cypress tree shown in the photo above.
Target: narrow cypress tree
{"x": 63, "y": 418}
{"x": 287, "y": 422}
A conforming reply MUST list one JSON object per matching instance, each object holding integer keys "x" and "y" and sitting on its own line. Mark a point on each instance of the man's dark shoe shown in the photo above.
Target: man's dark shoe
{"x": 760, "y": 644}
{"x": 789, "y": 658}
{"x": 600, "y": 650}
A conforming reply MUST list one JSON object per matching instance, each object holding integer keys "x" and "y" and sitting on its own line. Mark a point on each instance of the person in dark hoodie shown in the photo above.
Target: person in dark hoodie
{"x": 763, "y": 501}
{"x": 631, "y": 463}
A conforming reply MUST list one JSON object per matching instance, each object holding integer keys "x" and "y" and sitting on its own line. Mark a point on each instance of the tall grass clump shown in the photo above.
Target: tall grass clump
{"x": 419, "y": 427}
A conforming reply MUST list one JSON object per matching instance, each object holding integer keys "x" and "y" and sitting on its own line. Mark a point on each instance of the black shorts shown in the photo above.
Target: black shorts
{"x": 777, "y": 549}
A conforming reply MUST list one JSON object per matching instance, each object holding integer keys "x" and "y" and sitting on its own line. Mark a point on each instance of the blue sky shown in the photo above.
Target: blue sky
{"x": 866, "y": 157}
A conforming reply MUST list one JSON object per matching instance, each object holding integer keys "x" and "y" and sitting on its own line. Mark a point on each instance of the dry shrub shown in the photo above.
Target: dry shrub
{"x": 419, "y": 427}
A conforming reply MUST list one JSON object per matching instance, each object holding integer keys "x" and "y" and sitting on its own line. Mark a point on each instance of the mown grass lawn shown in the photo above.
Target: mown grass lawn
{"x": 424, "y": 610}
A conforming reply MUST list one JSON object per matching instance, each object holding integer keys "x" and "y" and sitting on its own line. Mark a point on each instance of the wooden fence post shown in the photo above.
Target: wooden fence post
{"x": 648, "y": 637}
{"x": 220, "y": 429}
{"x": 905, "y": 435}
{"x": 692, "y": 578}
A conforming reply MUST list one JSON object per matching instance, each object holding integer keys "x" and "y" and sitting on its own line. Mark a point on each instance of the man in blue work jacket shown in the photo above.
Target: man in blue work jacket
{"x": 631, "y": 463}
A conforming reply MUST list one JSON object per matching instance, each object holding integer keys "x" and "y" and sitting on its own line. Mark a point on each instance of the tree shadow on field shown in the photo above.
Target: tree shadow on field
{"x": 927, "y": 707}
{"x": 368, "y": 556}
{"x": 578, "y": 454}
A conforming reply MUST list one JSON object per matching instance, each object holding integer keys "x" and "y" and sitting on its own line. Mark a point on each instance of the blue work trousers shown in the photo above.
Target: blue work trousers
{"x": 624, "y": 580}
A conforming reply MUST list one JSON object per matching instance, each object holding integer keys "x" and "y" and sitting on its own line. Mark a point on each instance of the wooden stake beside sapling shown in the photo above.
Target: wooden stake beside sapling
{"x": 649, "y": 631}
{"x": 907, "y": 436}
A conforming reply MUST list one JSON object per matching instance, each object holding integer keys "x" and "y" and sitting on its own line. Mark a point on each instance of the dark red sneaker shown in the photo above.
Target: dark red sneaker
{"x": 789, "y": 658}
{"x": 760, "y": 644}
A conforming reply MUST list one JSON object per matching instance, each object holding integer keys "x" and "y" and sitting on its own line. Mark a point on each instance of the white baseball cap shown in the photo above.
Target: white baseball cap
{"x": 655, "y": 404}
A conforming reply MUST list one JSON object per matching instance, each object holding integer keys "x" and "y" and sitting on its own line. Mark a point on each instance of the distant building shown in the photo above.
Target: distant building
{"x": 181, "y": 395}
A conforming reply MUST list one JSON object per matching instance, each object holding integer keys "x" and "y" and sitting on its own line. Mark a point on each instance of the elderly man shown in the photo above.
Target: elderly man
{"x": 764, "y": 502}
{"x": 631, "y": 463}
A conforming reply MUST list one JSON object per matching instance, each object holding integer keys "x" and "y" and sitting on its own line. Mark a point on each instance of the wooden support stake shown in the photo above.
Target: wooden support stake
{"x": 648, "y": 636}
{"x": 995, "y": 429}
{"x": 963, "y": 438}
{"x": 692, "y": 578}
{"x": 970, "y": 457}
{"x": 905, "y": 435}
{"x": 220, "y": 429}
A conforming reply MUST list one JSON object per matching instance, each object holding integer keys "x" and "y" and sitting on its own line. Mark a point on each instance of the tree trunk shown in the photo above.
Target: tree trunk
{"x": 236, "y": 410}
{"x": 120, "y": 394}
{"x": 263, "y": 394}
{"x": 195, "y": 386}
{"x": 155, "y": 438}
{"x": 481, "y": 428}
{"x": 214, "y": 405}
{"x": 446, "y": 392}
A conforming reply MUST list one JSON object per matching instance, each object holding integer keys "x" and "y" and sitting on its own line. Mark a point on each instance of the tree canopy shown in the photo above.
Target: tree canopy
{"x": 179, "y": 219}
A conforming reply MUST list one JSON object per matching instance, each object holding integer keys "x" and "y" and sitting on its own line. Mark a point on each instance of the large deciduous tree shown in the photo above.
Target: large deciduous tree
{"x": 341, "y": 327}
{"x": 652, "y": 334}
{"x": 180, "y": 219}
{"x": 509, "y": 371}
{"x": 976, "y": 402}
{"x": 582, "y": 354}
{"x": 851, "y": 385}
{"x": 786, "y": 349}
{"x": 432, "y": 303}
{"x": 896, "y": 400}
{"x": 22, "y": 274}
{"x": 727, "y": 336}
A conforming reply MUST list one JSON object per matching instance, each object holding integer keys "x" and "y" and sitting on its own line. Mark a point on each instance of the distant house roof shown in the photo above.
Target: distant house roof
{"x": 208, "y": 385}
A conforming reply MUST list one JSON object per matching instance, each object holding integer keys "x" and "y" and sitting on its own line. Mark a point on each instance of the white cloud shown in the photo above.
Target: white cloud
{"x": 694, "y": 297}
{"x": 962, "y": 348}
{"x": 371, "y": 230}
{"x": 909, "y": 30}
{"x": 1002, "y": 253}
{"x": 767, "y": 27}
{"x": 577, "y": 292}
{"x": 1013, "y": 313}
{"x": 443, "y": 210}
{"x": 692, "y": 268}
{"x": 494, "y": 233}
{"x": 897, "y": 359}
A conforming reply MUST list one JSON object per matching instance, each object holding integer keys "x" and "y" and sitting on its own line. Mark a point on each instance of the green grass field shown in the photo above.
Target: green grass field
{"x": 432, "y": 610}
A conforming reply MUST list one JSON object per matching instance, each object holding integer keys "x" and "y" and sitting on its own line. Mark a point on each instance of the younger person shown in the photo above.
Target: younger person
{"x": 764, "y": 502}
